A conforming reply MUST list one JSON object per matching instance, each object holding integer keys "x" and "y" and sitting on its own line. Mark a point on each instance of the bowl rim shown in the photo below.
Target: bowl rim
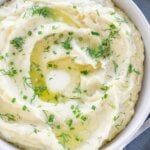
{"x": 142, "y": 24}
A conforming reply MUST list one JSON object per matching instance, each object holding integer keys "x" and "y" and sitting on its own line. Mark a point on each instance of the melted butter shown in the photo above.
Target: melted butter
{"x": 71, "y": 139}
{"x": 58, "y": 15}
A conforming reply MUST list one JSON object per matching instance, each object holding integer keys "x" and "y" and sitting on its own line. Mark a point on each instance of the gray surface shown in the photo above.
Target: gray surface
{"x": 144, "y": 5}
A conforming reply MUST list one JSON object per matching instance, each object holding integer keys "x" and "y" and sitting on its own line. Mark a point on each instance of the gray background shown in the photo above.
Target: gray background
{"x": 144, "y": 5}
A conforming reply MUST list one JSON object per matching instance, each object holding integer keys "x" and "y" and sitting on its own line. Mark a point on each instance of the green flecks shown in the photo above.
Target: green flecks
{"x": 69, "y": 123}
{"x": 13, "y": 100}
{"x": 25, "y": 97}
{"x": 105, "y": 88}
{"x": 93, "y": 107}
{"x": 131, "y": 69}
{"x": 77, "y": 113}
{"x": 84, "y": 72}
{"x": 1, "y": 57}
{"x": 8, "y": 117}
{"x": 64, "y": 138}
{"x": 41, "y": 11}
{"x": 115, "y": 118}
{"x": 51, "y": 119}
{"x": 104, "y": 48}
{"x": 115, "y": 66}
{"x": 18, "y": 43}
{"x": 29, "y": 33}
{"x": 24, "y": 108}
{"x": 67, "y": 44}
{"x": 77, "y": 90}
{"x": 105, "y": 96}
{"x": 35, "y": 130}
{"x": 95, "y": 33}
{"x": 11, "y": 73}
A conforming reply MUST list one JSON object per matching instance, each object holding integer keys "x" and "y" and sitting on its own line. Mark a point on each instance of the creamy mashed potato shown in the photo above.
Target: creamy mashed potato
{"x": 70, "y": 73}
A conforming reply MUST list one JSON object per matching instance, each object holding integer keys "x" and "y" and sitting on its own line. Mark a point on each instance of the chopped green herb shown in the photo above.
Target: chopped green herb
{"x": 39, "y": 32}
{"x": 13, "y": 100}
{"x": 51, "y": 119}
{"x": 8, "y": 117}
{"x": 131, "y": 69}
{"x": 18, "y": 43}
{"x": 41, "y": 11}
{"x": 80, "y": 39}
{"x": 105, "y": 88}
{"x": 25, "y": 97}
{"x": 67, "y": 44}
{"x": 71, "y": 33}
{"x": 115, "y": 118}
{"x": 105, "y": 96}
{"x": 115, "y": 66}
{"x": 11, "y": 73}
{"x": 69, "y": 123}
{"x": 83, "y": 118}
{"x": 77, "y": 90}
{"x": 58, "y": 126}
{"x": 84, "y": 72}
{"x": 104, "y": 49}
{"x": 1, "y": 57}
{"x": 93, "y": 107}
{"x": 95, "y": 33}
{"x": 24, "y": 108}
{"x": 29, "y": 33}
{"x": 64, "y": 138}
{"x": 36, "y": 130}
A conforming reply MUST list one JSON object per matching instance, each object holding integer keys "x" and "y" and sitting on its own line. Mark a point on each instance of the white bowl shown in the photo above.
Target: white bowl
{"x": 143, "y": 106}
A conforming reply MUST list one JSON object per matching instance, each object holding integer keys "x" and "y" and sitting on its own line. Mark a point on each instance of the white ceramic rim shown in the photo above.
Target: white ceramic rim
{"x": 143, "y": 106}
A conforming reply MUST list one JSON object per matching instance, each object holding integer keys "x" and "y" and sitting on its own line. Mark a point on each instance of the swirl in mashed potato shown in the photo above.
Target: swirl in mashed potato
{"x": 70, "y": 73}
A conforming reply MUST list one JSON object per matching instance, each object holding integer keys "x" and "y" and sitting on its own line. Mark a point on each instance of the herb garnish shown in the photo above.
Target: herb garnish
{"x": 67, "y": 44}
{"x": 131, "y": 69}
{"x": 104, "y": 49}
{"x": 11, "y": 73}
{"x": 84, "y": 72}
{"x": 41, "y": 11}
{"x": 115, "y": 66}
{"x": 8, "y": 117}
{"x": 18, "y": 43}
{"x": 95, "y": 33}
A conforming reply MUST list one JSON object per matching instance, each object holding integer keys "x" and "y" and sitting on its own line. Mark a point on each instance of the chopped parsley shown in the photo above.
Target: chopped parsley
{"x": 51, "y": 119}
{"x": 11, "y": 73}
{"x": 77, "y": 90}
{"x": 8, "y": 117}
{"x": 18, "y": 43}
{"x": 77, "y": 113}
{"x": 41, "y": 11}
{"x": 29, "y": 33}
{"x": 115, "y": 66}
{"x": 69, "y": 123}
{"x": 93, "y": 107}
{"x": 64, "y": 138}
{"x": 13, "y": 100}
{"x": 105, "y": 88}
{"x": 24, "y": 108}
{"x": 67, "y": 44}
{"x": 105, "y": 96}
{"x": 104, "y": 48}
{"x": 95, "y": 33}
{"x": 131, "y": 69}
{"x": 84, "y": 72}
